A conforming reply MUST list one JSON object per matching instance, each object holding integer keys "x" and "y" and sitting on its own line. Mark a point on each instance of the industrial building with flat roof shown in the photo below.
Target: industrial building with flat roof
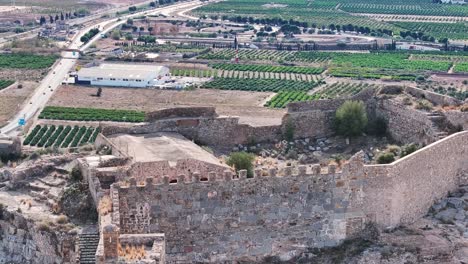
{"x": 123, "y": 75}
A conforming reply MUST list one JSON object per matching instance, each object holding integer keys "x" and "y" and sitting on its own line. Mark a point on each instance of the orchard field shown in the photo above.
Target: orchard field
{"x": 344, "y": 12}
{"x": 26, "y": 61}
{"x": 60, "y": 136}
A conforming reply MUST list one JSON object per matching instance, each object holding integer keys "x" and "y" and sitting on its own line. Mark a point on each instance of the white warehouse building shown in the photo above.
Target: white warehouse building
{"x": 123, "y": 75}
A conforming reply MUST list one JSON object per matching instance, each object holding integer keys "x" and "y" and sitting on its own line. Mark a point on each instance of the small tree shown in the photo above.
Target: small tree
{"x": 351, "y": 119}
{"x": 241, "y": 161}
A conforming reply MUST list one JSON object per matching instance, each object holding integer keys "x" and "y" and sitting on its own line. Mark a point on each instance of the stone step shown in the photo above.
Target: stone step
{"x": 88, "y": 243}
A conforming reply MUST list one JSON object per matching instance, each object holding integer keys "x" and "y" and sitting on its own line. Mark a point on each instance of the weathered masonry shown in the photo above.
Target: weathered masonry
{"x": 219, "y": 216}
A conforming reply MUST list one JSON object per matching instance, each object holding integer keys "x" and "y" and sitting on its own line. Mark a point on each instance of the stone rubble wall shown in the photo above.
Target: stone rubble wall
{"x": 181, "y": 112}
{"x": 405, "y": 125}
{"x": 435, "y": 98}
{"x": 22, "y": 242}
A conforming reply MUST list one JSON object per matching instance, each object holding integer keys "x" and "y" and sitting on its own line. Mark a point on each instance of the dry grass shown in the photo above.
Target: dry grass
{"x": 105, "y": 205}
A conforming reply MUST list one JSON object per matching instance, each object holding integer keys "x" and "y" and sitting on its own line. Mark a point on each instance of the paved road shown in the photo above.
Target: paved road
{"x": 64, "y": 65}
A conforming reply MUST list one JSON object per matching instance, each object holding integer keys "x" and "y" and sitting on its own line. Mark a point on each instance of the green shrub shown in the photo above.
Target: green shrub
{"x": 386, "y": 158}
{"x": 351, "y": 119}
{"x": 242, "y": 161}
{"x": 408, "y": 149}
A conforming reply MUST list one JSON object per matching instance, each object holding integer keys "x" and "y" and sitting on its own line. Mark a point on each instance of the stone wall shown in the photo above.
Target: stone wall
{"x": 403, "y": 191}
{"x": 209, "y": 131}
{"x": 405, "y": 125}
{"x": 181, "y": 112}
{"x": 142, "y": 170}
{"x": 435, "y": 98}
{"x": 229, "y": 218}
{"x": 22, "y": 242}
{"x": 224, "y": 217}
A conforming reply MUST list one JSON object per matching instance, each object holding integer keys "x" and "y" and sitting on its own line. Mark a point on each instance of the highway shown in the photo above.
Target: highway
{"x": 64, "y": 65}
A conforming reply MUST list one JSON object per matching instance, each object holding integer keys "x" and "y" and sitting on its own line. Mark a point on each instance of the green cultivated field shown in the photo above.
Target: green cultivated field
{"x": 26, "y": 61}
{"x": 91, "y": 114}
{"x": 259, "y": 85}
{"x": 343, "y": 12}
{"x": 267, "y": 68}
{"x": 336, "y": 90}
{"x": 461, "y": 67}
{"x": 60, "y": 136}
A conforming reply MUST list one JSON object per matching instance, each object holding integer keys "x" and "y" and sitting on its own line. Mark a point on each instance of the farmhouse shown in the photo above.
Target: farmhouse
{"x": 123, "y": 75}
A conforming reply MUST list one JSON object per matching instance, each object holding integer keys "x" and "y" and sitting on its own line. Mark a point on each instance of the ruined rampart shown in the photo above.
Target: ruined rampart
{"x": 405, "y": 125}
{"x": 435, "y": 98}
{"x": 181, "y": 112}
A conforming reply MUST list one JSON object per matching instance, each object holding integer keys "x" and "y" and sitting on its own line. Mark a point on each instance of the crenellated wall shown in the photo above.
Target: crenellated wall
{"x": 142, "y": 170}
{"x": 221, "y": 216}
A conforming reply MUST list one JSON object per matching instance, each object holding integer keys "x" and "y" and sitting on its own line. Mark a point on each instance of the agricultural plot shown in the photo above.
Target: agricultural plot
{"x": 267, "y": 68}
{"x": 266, "y": 55}
{"x": 459, "y": 58}
{"x": 336, "y": 90}
{"x": 341, "y": 89}
{"x": 283, "y": 98}
{"x": 5, "y": 83}
{"x": 410, "y": 7}
{"x": 318, "y": 12}
{"x": 371, "y": 73}
{"x": 437, "y": 30}
{"x": 91, "y": 114}
{"x": 194, "y": 73}
{"x": 461, "y": 67}
{"x": 26, "y": 61}
{"x": 259, "y": 85}
{"x": 61, "y": 136}
{"x": 387, "y": 61}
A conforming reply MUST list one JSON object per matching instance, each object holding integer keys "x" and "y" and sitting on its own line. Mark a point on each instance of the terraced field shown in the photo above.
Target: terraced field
{"x": 61, "y": 136}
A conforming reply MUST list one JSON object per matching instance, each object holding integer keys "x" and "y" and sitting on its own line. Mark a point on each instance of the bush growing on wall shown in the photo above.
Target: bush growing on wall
{"x": 242, "y": 161}
{"x": 351, "y": 119}
{"x": 386, "y": 158}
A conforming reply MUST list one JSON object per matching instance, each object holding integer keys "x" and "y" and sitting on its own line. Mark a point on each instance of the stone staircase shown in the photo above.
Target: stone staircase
{"x": 439, "y": 125}
{"x": 88, "y": 243}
